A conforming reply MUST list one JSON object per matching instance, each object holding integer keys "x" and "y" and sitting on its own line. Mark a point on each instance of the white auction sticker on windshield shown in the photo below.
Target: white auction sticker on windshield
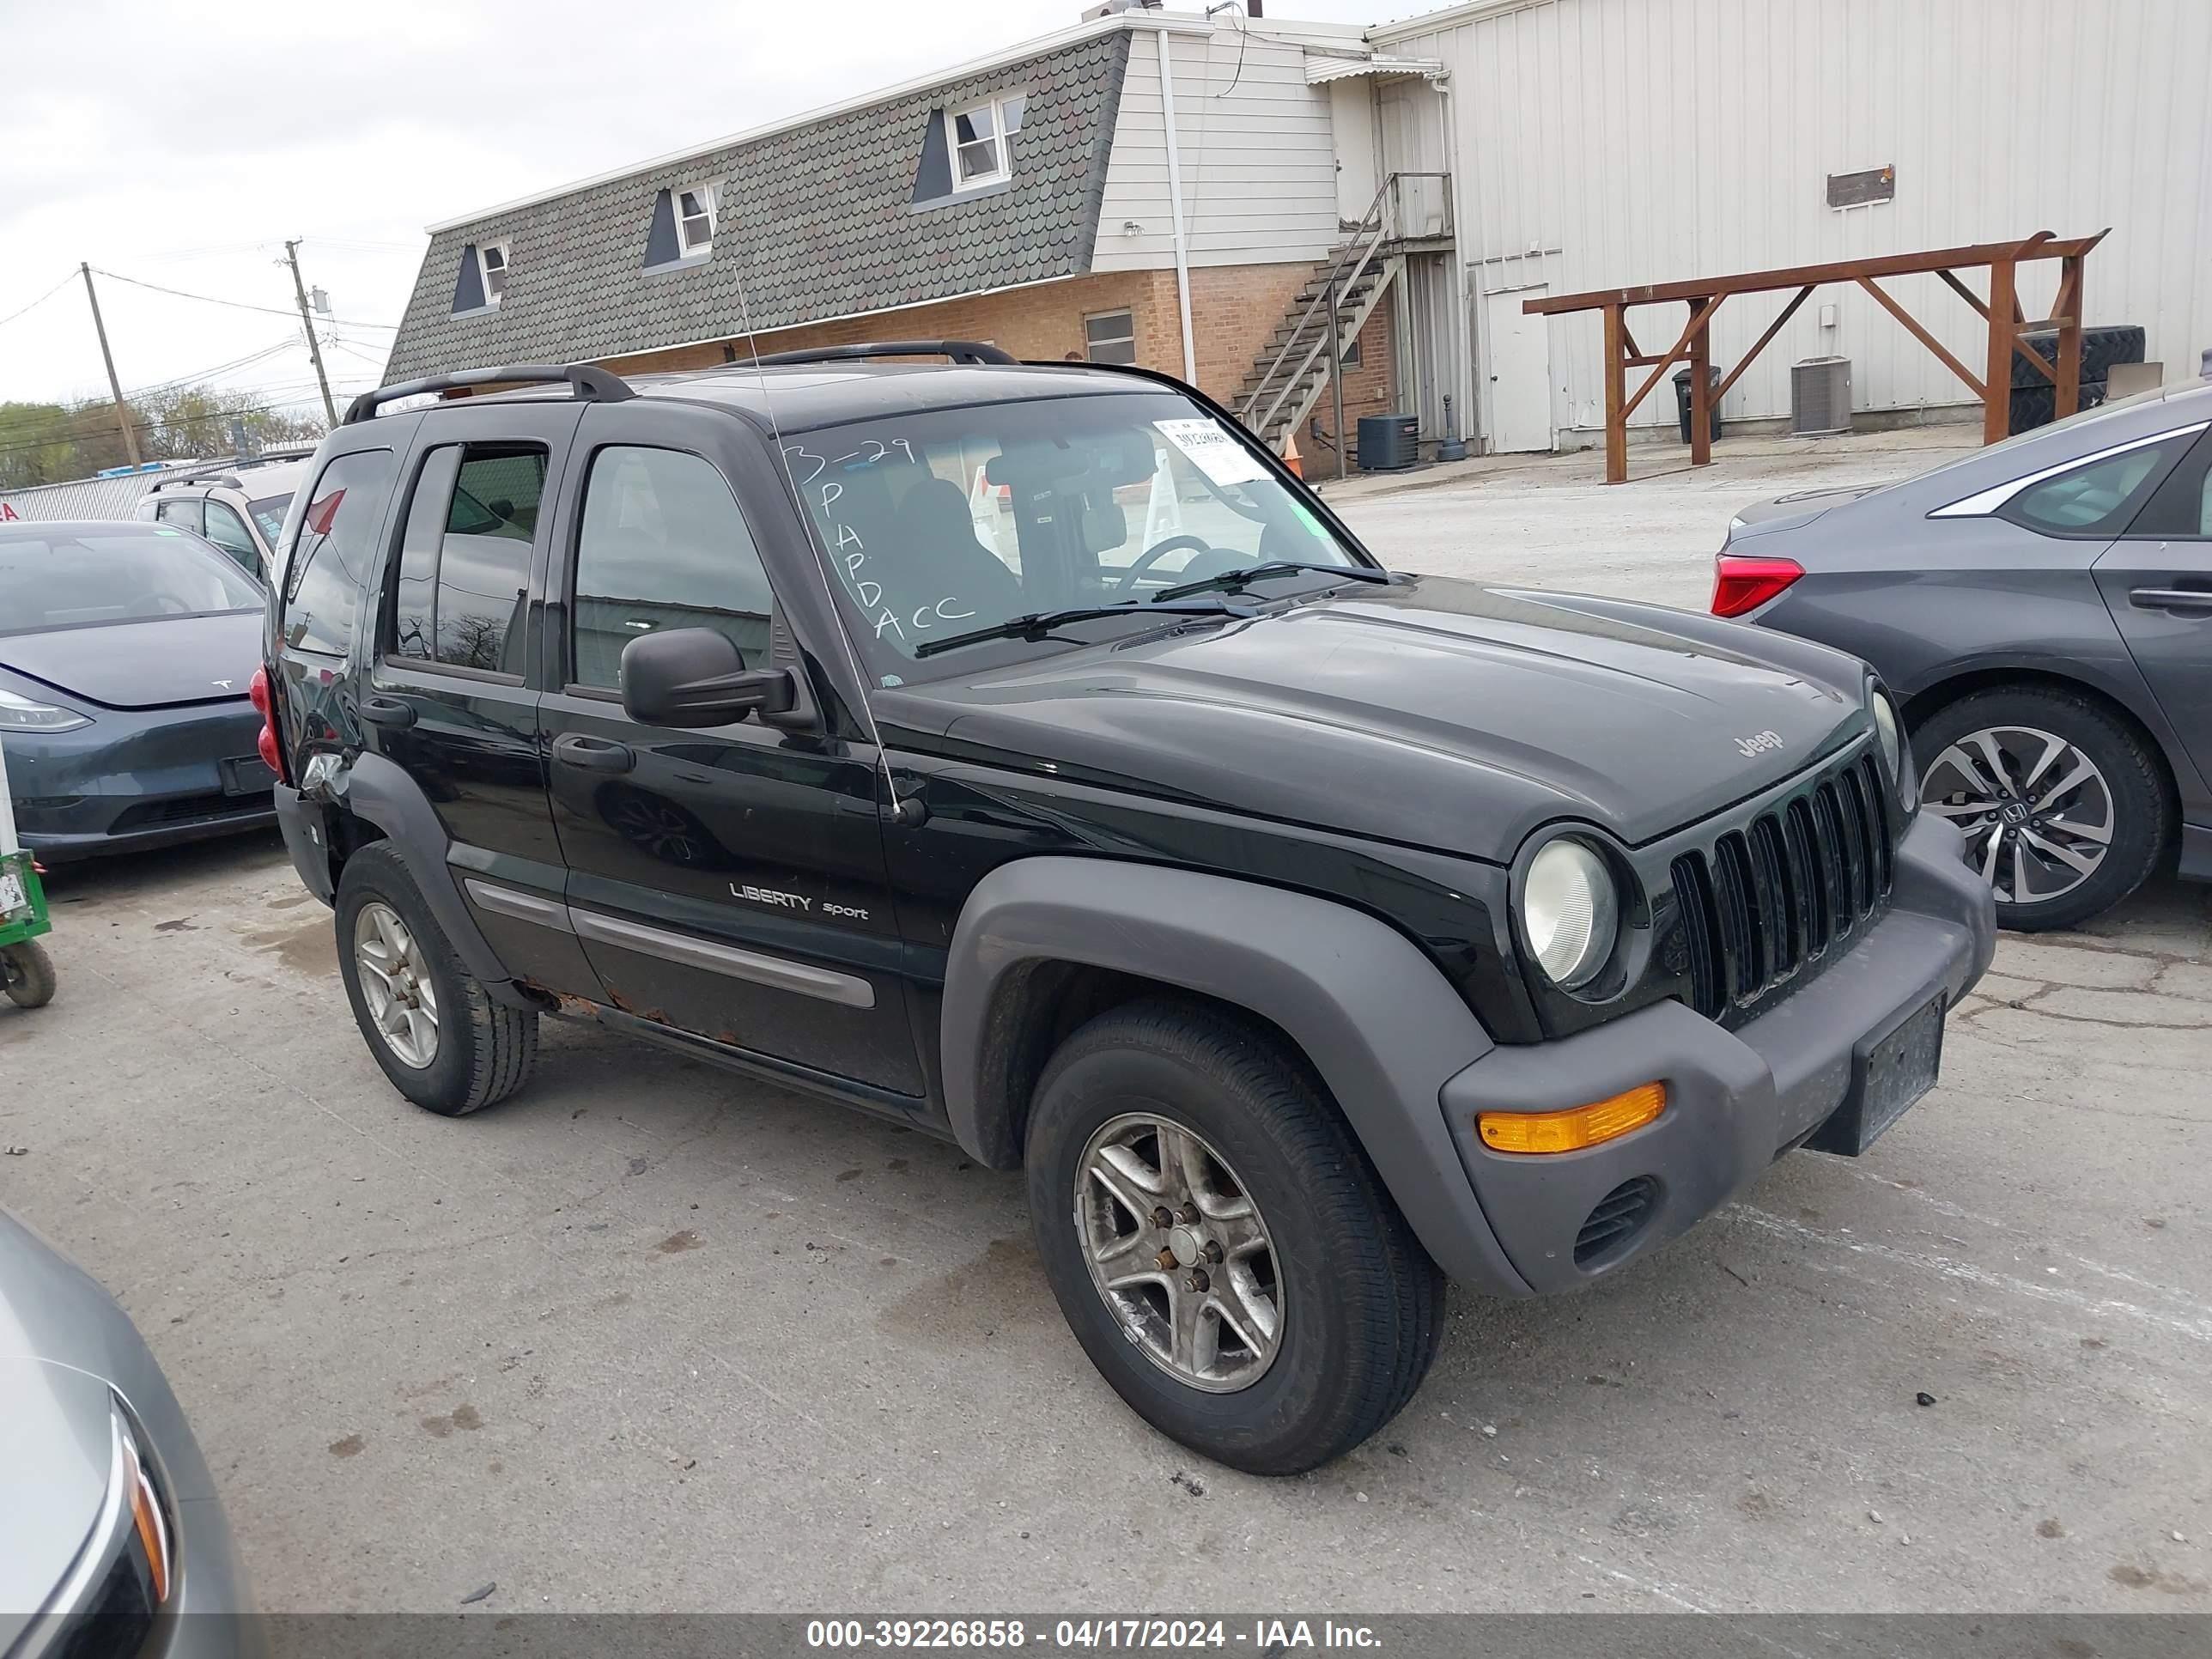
{"x": 1213, "y": 451}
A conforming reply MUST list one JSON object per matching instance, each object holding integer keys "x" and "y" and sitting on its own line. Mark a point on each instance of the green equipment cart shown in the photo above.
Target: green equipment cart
{"x": 26, "y": 972}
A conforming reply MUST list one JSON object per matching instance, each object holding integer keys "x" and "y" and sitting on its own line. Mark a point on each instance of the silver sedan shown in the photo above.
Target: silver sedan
{"x": 110, "y": 1529}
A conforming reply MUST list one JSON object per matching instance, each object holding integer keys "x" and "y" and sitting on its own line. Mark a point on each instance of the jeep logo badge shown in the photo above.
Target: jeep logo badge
{"x": 1759, "y": 743}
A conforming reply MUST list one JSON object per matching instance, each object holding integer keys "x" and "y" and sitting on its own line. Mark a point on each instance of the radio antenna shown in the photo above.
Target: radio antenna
{"x": 897, "y": 808}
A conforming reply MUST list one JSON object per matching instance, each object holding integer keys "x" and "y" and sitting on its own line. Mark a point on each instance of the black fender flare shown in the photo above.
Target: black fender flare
{"x": 380, "y": 791}
{"x": 1371, "y": 1014}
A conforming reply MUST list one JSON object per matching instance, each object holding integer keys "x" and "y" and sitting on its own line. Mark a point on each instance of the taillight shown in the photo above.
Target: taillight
{"x": 256, "y": 693}
{"x": 1742, "y": 584}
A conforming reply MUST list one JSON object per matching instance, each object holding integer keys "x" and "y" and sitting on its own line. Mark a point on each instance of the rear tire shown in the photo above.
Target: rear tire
{"x": 1358, "y": 1304}
{"x": 478, "y": 1051}
{"x": 2115, "y": 819}
{"x": 29, "y": 972}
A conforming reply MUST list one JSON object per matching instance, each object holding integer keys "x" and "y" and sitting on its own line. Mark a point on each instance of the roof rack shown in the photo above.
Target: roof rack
{"x": 591, "y": 383}
{"x": 961, "y": 351}
{"x": 224, "y": 470}
{"x": 217, "y": 476}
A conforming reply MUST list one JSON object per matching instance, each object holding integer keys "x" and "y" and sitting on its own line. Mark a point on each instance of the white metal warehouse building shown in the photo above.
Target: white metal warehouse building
{"x": 1601, "y": 143}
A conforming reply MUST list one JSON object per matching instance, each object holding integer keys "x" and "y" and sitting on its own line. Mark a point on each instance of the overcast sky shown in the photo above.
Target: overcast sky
{"x": 181, "y": 146}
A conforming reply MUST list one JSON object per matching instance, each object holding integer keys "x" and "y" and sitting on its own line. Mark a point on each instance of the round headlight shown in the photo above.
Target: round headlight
{"x": 1571, "y": 912}
{"x": 1890, "y": 733}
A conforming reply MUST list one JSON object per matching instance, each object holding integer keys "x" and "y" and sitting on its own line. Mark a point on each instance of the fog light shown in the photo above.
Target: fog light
{"x": 1572, "y": 1130}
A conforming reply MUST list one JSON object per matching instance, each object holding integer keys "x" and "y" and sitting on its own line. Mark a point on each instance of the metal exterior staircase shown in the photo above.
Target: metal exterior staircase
{"x": 1292, "y": 367}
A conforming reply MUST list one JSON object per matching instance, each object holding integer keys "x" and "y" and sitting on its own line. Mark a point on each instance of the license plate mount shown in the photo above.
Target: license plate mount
{"x": 1888, "y": 1074}
{"x": 248, "y": 774}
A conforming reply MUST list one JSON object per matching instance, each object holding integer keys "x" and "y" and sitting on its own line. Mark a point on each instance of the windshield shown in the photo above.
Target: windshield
{"x": 948, "y": 520}
{"x": 268, "y": 512}
{"x": 63, "y": 580}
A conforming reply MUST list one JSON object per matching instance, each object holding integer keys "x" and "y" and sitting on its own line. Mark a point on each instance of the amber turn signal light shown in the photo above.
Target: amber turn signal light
{"x": 146, "y": 1516}
{"x": 1572, "y": 1130}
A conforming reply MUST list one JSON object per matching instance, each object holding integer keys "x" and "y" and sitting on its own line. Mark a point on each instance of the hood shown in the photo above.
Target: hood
{"x": 1791, "y": 511}
{"x": 143, "y": 665}
{"x": 56, "y": 1449}
{"x": 56, "y": 1319}
{"x": 1437, "y": 713}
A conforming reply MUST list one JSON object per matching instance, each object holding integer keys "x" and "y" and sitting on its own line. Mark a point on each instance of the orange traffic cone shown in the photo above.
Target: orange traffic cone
{"x": 1291, "y": 456}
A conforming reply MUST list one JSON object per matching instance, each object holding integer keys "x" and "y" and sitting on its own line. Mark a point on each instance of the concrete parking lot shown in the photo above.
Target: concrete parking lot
{"x": 651, "y": 1336}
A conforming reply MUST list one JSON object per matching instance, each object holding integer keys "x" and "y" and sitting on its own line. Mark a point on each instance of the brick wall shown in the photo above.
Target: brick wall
{"x": 1233, "y": 310}
{"x": 1370, "y": 389}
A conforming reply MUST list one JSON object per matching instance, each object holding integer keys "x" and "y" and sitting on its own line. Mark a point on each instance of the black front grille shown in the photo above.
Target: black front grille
{"x": 1769, "y": 900}
{"x": 1619, "y": 1217}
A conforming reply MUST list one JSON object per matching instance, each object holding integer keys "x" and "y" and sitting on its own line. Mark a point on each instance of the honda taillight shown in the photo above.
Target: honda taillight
{"x": 256, "y": 693}
{"x": 1742, "y": 585}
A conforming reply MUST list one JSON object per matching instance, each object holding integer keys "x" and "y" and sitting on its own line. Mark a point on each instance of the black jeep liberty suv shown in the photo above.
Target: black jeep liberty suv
{"x": 1020, "y": 752}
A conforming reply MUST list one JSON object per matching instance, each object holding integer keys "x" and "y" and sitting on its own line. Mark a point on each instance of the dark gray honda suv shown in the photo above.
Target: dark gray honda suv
{"x": 2044, "y": 607}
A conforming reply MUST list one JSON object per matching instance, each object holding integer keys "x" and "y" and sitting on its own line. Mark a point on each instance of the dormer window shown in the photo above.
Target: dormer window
{"x": 491, "y": 258}
{"x": 695, "y": 219}
{"x": 978, "y": 135}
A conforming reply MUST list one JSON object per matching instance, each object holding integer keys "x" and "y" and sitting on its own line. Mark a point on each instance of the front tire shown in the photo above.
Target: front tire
{"x": 2063, "y": 807}
{"x": 441, "y": 1038}
{"x": 29, "y": 973}
{"x": 1308, "y": 1313}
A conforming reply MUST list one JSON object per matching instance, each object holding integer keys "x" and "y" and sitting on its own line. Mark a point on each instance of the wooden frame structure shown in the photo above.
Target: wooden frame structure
{"x": 2001, "y": 313}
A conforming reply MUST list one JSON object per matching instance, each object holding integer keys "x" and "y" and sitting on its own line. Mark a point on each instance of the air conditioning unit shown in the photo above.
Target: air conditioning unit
{"x": 1819, "y": 397}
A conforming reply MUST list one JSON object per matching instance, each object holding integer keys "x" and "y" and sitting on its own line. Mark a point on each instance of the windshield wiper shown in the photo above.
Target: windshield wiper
{"x": 1039, "y": 624}
{"x": 1236, "y": 582}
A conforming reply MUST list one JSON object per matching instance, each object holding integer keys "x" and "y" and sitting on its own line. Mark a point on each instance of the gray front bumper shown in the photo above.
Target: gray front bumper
{"x": 135, "y": 779}
{"x": 1735, "y": 1099}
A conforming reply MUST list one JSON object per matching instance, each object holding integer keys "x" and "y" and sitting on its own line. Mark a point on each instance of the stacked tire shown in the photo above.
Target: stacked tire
{"x": 2035, "y": 400}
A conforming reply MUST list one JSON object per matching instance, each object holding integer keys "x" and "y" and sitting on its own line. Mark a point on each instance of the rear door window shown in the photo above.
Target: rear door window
{"x": 461, "y": 591}
{"x": 336, "y": 544}
{"x": 662, "y": 544}
{"x": 182, "y": 511}
{"x": 2181, "y": 511}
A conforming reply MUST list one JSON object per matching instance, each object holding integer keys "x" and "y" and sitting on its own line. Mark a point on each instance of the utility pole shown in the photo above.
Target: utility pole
{"x": 308, "y": 320}
{"x": 114, "y": 386}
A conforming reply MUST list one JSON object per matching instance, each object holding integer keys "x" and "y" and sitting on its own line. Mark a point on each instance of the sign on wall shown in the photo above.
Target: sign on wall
{"x": 1848, "y": 189}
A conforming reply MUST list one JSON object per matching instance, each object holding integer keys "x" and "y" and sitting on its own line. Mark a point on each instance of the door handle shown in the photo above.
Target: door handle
{"x": 593, "y": 754}
{"x": 2171, "y": 598}
{"x": 387, "y": 711}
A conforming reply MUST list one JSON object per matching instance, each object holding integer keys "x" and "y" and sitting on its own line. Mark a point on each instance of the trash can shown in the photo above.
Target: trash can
{"x": 1682, "y": 399}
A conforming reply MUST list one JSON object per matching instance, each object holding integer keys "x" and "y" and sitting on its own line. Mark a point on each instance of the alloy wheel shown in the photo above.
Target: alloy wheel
{"x": 1178, "y": 1249}
{"x": 396, "y": 984}
{"x": 2037, "y": 815}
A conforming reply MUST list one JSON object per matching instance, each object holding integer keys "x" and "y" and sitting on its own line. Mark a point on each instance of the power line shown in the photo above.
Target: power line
{"x": 352, "y": 351}
{"x": 207, "y": 252}
{"x": 233, "y": 366}
{"x": 41, "y": 301}
{"x": 359, "y": 242}
{"x": 235, "y": 305}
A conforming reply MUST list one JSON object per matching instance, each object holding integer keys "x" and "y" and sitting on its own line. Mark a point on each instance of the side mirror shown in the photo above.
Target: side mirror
{"x": 695, "y": 677}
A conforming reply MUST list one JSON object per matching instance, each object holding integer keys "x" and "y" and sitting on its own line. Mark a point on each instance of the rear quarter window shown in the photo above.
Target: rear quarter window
{"x": 334, "y": 549}
{"x": 2099, "y": 498}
